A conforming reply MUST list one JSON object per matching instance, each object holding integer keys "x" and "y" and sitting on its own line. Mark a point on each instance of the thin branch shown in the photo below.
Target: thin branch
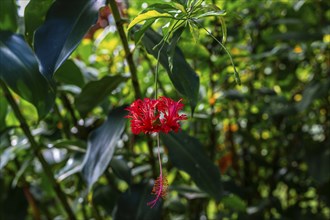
{"x": 129, "y": 55}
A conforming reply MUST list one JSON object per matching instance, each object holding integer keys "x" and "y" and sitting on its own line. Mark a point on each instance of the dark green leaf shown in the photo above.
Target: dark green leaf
{"x": 66, "y": 24}
{"x": 20, "y": 70}
{"x": 133, "y": 204}
{"x": 186, "y": 153}
{"x": 34, "y": 16}
{"x": 8, "y": 15}
{"x": 106, "y": 197}
{"x": 183, "y": 77}
{"x": 171, "y": 48}
{"x": 101, "y": 146}
{"x": 95, "y": 92}
{"x": 121, "y": 169}
{"x": 69, "y": 73}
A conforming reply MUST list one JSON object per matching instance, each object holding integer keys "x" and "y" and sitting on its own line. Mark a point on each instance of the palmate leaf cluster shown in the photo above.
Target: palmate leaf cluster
{"x": 259, "y": 150}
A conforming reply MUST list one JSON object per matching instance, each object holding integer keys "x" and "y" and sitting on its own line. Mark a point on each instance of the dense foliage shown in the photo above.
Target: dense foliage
{"x": 254, "y": 78}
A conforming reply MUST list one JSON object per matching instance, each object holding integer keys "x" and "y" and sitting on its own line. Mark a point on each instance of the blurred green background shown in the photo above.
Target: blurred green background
{"x": 269, "y": 137}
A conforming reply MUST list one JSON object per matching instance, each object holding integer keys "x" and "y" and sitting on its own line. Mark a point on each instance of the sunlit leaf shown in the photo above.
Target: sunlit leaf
{"x": 94, "y": 92}
{"x": 101, "y": 146}
{"x": 20, "y": 70}
{"x": 148, "y": 15}
{"x": 234, "y": 202}
{"x": 186, "y": 153}
{"x": 66, "y": 24}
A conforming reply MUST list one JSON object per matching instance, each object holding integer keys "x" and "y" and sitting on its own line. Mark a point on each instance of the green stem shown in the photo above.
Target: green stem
{"x": 129, "y": 55}
{"x": 37, "y": 152}
{"x": 237, "y": 78}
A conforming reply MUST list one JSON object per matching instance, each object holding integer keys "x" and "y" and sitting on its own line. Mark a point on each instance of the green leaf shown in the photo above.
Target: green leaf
{"x": 140, "y": 31}
{"x": 121, "y": 169}
{"x": 147, "y": 15}
{"x": 66, "y": 24}
{"x": 186, "y": 153}
{"x": 133, "y": 204}
{"x": 101, "y": 146}
{"x": 183, "y": 77}
{"x": 8, "y": 15}
{"x": 72, "y": 166}
{"x": 171, "y": 48}
{"x": 211, "y": 13}
{"x": 105, "y": 197}
{"x": 94, "y": 92}
{"x": 34, "y": 16}
{"x": 69, "y": 73}
{"x": 20, "y": 71}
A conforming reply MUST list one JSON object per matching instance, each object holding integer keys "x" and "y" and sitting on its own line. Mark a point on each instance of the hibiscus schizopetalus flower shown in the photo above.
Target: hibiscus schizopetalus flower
{"x": 171, "y": 117}
{"x": 155, "y": 115}
{"x": 143, "y": 116}
{"x": 159, "y": 190}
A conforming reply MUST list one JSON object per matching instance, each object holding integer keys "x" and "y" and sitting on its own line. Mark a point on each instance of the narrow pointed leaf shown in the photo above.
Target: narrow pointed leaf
{"x": 186, "y": 153}
{"x": 66, "y": 24}
{"x": 147, "y": 15}
{"x": 20, "y": 71}
{"x": 95, "y": 92}
{"x": 183, "y": 77}
{"x": 101, "y": 146}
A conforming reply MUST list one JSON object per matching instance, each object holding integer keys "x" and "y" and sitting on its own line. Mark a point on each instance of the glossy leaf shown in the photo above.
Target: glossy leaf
{"x": 72, "y": 166}
{"x": 186, "y": 153}
{"x": 8, "y": 15}
{"x": 183, "y": 77}
{"x": 146, "y": 16}
{"x": 34, "y": 16}
{"x": 101, "y": 146}
{"x": 20, "y": 71}
{"x": 69, "y": 73}
{"x": 95, "y": 92}
{"x": 66, "y": 24}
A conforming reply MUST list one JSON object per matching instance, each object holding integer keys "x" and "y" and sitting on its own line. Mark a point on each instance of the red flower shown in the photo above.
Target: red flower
{"x": 159, "y": 190}
{"x": 152, "y": 115}
{"x": 170, "y": 114}
{"x": 143, "y": 116}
